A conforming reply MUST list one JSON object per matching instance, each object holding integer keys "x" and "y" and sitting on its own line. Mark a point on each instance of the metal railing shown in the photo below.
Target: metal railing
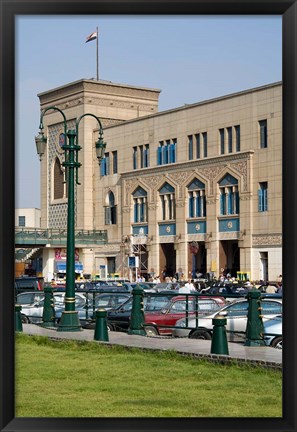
{"x": 91, "y": 300}
{"x": 39, "y": 236}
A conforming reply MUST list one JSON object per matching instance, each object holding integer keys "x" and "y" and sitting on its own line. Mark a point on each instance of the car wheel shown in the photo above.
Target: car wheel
{"x": 25, "y": 319}
{"x": 151, "y": 331}
{"x": 277, "y": 342}
{"x": 200, "y": 334}
{"x": 110, "y": 327}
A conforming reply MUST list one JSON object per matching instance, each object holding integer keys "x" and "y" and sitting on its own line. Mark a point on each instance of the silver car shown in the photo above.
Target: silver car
{"x": 236, "y": 315}
{"x": 273, "y": 332}
{"x": 32, "y": 305}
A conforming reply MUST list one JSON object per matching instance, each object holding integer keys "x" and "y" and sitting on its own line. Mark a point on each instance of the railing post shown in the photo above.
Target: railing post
{"x": 254, "y": 326}
{"x": 101, "y": 331}
{"x": 49, "y": 314}
{"x": 18, "y": 318}
{"x": 219, "y": 344}
{"x": 137, "y": 314}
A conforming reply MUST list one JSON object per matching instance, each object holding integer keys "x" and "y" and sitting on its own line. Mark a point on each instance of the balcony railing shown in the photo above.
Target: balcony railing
{"x": 39, "y": 236}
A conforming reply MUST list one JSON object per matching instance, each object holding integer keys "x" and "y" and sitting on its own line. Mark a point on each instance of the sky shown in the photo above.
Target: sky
{"x": 189, "y": 58}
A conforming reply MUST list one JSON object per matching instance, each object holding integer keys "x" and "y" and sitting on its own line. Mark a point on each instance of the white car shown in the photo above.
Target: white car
{"x": 32, "y": 305}
{"x": 236, "y": 316}
{"x": 273, "y": 332}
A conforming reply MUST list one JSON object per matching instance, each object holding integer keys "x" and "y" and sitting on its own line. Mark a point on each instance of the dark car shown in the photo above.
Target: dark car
{"x": 119, "y": 319}
{"x": 28, "y": 283}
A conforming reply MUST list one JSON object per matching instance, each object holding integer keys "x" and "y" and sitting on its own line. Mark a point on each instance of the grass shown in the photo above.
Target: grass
{"x": 88, "y": 379}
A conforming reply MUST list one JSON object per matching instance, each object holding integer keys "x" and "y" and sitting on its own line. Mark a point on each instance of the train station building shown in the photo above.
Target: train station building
{"x": 194, "y": 189}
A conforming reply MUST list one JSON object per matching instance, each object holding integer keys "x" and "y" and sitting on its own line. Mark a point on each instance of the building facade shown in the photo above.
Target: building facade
{"x": 28, "y": 261}
{"x": 193, "y": 189}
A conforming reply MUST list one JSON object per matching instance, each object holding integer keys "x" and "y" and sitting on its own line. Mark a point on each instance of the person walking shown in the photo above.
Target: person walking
{"x": 187, "y": 288}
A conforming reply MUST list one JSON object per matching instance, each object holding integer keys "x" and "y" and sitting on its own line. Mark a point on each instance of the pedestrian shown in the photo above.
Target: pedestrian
{"x": 187, "y": 288}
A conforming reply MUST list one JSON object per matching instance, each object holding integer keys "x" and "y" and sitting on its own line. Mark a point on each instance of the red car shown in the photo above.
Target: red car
{"x": 178, "y": 308}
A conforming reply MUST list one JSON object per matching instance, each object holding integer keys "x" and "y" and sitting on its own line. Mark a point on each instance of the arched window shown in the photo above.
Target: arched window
{"x": 140, "y": 205}
{"x": 59, "y": 186}
{"x": 167, "y": 198}
{"x": 229, "y": 195}
{"x": 110, "y": 210}
{"x": 196, "y": 199}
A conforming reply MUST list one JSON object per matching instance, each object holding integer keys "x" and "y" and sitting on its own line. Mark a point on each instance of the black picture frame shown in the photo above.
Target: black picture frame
{"x": 8, "y": 11}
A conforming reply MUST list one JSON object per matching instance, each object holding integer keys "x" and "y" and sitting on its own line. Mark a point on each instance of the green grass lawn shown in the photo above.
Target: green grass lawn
{"x": 89, "y": 379}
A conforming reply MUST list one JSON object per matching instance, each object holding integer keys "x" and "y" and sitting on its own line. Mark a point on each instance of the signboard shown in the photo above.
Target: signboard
{"x": 103, "y": 271}
{"x": 133, "y": 261}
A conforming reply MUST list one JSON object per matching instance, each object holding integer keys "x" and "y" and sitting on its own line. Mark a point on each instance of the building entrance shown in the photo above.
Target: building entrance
{"x": 229, "y": 257}
{"x": 167, "y": 260}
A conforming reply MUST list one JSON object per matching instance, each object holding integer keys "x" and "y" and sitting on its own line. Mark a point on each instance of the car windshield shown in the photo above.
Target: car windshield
{"x": 271, "y": 307}
{"x": 28, "y": 298}
{"x": 110, "y": 301}
{"x": 156, "y": 303}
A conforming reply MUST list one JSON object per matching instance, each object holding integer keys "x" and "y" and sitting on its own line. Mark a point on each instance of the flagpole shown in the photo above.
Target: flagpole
{"x": 97, "y": 56}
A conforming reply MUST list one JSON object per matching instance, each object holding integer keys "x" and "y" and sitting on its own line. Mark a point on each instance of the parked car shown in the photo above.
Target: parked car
{"x": 29, "y": 298}
{"x": 119, "y": 318}
{"x": 28, "y": 283}
{"x": 273, "y": 332}
{"x": 179, "y": 307}
{"x": 32, "y": 306}
{"x": 236, "y": 315}
{"x": 161, "y": 310}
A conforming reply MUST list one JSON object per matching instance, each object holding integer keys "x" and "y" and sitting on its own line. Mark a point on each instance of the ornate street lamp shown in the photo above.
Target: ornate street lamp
{"x": 69, "y": 319}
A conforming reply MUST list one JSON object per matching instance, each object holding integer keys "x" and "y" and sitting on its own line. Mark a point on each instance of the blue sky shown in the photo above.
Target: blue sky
{"x": 189, "y": 58}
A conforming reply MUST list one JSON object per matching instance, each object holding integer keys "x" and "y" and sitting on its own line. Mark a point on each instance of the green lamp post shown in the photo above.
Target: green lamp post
{"x": 69, "y": 319}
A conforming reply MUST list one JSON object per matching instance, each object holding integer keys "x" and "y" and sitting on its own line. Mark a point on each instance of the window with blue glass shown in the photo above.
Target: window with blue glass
{"x": 105, "y": 165}
{"x": 166, "y": 152}
{"x": 229, "y": 195}
{"x": 229, "y": 133}
{"x": 222, "y": 140}
{"x": 263, "y": 197}
{"x": 146, "y": 161}
{"x": 140, "y": 205}
{"x": 134, "y": 157}
{"x": 172, "y": 151}
{"x": 167, "y": 198}
{"x": 22, "y": 221}
{"x": 204, "y": 137}
{"x": 196, "y": 199}
{"x": 263, "y": 133}
{"x": 197, "y": 138}
{"x": 190, "y": 147}
{"x": 237, "y": 137}
{"x": 110, "y": 210}
{"x": 115, "y": 162}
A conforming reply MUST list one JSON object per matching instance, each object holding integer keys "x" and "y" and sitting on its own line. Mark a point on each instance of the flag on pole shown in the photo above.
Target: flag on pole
{"x": 91, "y": 37}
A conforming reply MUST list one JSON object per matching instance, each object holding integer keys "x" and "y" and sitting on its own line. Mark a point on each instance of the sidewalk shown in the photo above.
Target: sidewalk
{"x": 265, "y": 356}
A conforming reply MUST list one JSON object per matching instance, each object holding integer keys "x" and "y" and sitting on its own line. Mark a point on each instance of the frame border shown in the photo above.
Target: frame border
{"x": 8, "y": 10}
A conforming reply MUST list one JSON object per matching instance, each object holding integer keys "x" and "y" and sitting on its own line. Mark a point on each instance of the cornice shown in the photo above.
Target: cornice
{"x": 210, "y": 162}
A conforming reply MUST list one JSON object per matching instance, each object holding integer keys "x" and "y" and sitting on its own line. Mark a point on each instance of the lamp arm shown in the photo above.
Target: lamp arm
{"x": 91, "y": 115}
{"x": 55, "y": 109}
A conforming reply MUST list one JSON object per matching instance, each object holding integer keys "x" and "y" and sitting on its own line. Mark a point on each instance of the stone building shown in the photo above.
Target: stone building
{"x": 193, "y": 189}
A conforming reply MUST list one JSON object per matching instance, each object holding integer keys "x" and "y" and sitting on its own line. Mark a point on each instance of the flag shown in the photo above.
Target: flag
{"x": 91, "y": 37}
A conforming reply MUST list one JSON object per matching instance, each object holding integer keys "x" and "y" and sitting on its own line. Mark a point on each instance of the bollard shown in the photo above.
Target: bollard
{"x": 137, "y": 314}
{"x": 18, "y": 318}
{"x": 254, "y": 325}
{"x": 219, "y": 344}
{"x": 101, "y": 331}
{"x": 49, "y": 314}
